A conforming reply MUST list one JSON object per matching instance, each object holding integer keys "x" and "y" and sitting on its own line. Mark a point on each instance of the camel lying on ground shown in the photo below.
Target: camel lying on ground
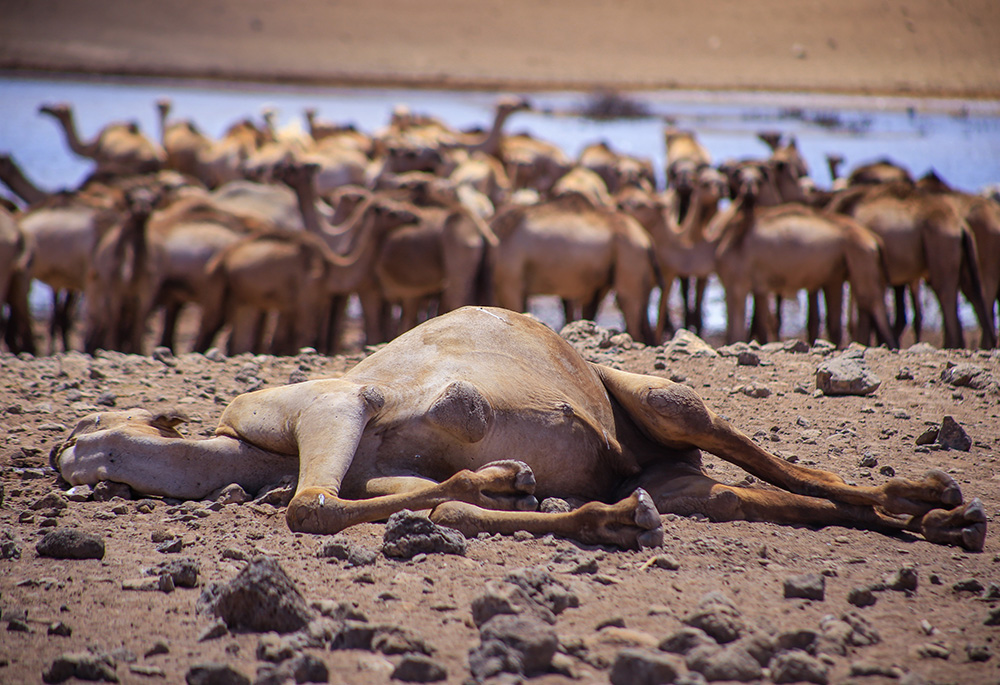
{"x": 477, "y": 414}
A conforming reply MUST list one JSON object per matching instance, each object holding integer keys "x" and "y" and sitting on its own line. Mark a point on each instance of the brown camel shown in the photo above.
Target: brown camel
{"x": 983, "y": 217}
{"x": 213, "y": 162}
{"x": 15, "y": 256}
{"x": 618, "y": 170}
{"x": 878, "y": 172}
{"x": 434, "y": 420}
{"x": 790, "y": 247}
{"x": 570, "y": 248}
{"x": 924, "y": 238}
{"x": 442, "y": 260}
{"x": 586, "y": 182}
{"x": 118, "y": 149}
{"x": 682, "y": 250}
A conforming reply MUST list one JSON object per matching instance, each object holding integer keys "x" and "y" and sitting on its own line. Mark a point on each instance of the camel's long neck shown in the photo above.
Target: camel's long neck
{"x": 742, "y": 219}
{"x": 306, "y": 196}
{"x": 79, "y": 147}
{"x": 699, "y": 214}
{"x": 19, "y": 184}
{"x": 352, "y": 268}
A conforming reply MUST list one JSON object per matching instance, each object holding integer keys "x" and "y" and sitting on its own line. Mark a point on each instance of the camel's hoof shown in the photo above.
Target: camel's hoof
{"x": 522, "y": 478}
{"x": 963, "y": 525}
{"x": 646, "y": 515}
{"x": 974, "y": 535}
{"x": 950, "y": 493}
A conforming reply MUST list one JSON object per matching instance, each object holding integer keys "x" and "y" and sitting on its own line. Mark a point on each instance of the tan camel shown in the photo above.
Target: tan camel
{"x": 213, "y": 162}
{"x": 12, "y": 176}
{"x": 434, "y": 420}
{"x": 983, "y": 217}
{"x": 342, "y": 135}
{"x": 790, "y": 247}
{"x": 685, "y": 158}
{"x": 441, "y": 261}
{"x": 118, "y": 149}
{"x": 572, "y": 249}
{"x": 583, "y": 181}
{"x": 880, "y": 171}
{"x": 16, "y": 252}
{"x": 618, "y": 170}
{"x": 924, "y": 238}
{"x": 682, "y": 251}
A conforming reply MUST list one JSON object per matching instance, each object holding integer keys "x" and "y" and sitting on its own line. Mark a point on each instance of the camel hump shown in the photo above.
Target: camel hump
{"x": 461, "y": 410}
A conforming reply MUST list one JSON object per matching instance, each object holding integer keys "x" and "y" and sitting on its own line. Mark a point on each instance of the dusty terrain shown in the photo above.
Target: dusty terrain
{"x": 912, "y": 47}
{"x": 431, "y": 597}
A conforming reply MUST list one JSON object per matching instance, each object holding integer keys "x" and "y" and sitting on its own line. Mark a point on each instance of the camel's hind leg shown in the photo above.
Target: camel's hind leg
{"x": 680, "y": 489}
{"x": 674, "y": 415}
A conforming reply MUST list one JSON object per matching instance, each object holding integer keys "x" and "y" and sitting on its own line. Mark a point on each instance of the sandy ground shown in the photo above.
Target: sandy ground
{"x": 915, "y": 47}
{"x": 623, "y": 601}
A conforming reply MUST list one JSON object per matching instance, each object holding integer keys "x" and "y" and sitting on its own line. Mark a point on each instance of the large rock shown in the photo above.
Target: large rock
{"x": 952, "y": 436}
{"x": 70, "y": 543}
{"x": 846, "y": 375}
{"x": 261, "y": 598}
{"x": 82, "y": 665}
{"x": 524, "y": 591}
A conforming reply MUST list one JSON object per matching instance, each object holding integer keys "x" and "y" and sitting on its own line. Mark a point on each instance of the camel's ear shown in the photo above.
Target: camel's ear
{"x": 169, "y": 419}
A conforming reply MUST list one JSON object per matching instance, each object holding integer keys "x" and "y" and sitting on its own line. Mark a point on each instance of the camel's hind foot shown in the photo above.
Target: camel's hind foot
{"x": 965, "y": 525}
{"x": 632, "y": 523}
{"x": 936, "y": 490}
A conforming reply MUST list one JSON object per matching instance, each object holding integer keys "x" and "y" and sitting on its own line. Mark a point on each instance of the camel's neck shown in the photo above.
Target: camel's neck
{"x": 306, "y": 196}
{"x": 79, "y": 147}
{"x": 490, "y": 144}
{"x": 352, "y": 268}
{"x": 700, "y": 213}
{"x": 13, "y": 177}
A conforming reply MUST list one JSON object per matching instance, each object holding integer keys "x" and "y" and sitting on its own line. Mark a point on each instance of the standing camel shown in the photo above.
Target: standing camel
{"x": 569, "y": 248}
{"x": 924, "y": 237}
{"x": 119, "y": 149}
{"x": 783, "y": 249}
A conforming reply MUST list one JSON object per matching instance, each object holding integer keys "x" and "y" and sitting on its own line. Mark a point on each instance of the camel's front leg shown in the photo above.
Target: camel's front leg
{"x": 674, "y": 415}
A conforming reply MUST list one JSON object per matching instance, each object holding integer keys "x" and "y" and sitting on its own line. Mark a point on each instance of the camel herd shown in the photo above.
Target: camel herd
{"x": 269, "y": 233}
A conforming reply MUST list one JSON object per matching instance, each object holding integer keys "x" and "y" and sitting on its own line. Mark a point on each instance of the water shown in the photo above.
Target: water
{"x": 958, "y": 139}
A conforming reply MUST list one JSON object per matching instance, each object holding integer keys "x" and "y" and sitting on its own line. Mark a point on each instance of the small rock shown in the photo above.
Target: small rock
{"x": 846, "y": 375}
{"x": 522, "y": 645}
{"x": 82, "y": 665}
{"x": 59, "y": 628}
{"x": 798, "y": 667}
{"x": 107, "y": 490}
{"x": 171, "y": 546}
{"x": 70, "y": 543}
{"x": 861, "y": 597}
{"x": 685, "y": 639}
{"x": 340, "y": 547}
{"x": 418, "y": 668}
{"x": 806, "y": 586}
{"x": 932, "y": 650}
{"x": 717, "y": 616}
{"x": 969, "y": 585}
{"x": 748, "y": 358}
{"x": 903, "y": 580}
{"x": 952, "y": 436}
{"x": 666, "y": 561}
{"x": 159, "y": 647}
{"x": 183, "y": 572}
{"x": 643, "y": 667}
{"x": 214, "y": 631}
{"x": 978, "y": 652}
{"x": 214, "y": 674}
{"x": 408, "y": 534}
{"x": 732, "y": 662}
{"x": 107, "y": 399}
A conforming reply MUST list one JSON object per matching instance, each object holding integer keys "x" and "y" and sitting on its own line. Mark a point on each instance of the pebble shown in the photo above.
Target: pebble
{"x": 805, "y": 586}
{"x": 215, "y": 674}
{"x": 418, "y": 668}
{"x": 643, "y": 667}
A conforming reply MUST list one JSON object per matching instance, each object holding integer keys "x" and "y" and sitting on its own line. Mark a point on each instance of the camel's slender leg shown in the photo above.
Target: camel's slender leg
{"x": 676, "y": 490}
{"x": 812, "y": 317}
{"x": 833, "y": 294}
{"x": 673, "y": 415}
{"x": 632, "y": 522}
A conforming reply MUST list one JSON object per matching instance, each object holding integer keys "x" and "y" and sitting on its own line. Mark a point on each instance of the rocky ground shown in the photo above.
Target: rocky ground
{"x": 865, "y": 607}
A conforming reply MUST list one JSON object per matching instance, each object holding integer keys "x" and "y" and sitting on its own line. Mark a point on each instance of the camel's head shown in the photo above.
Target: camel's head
{"x": 712, "y": 184}
{"x": 640, "y": 204}
{"x": 933, "y": 183}
{"x": 390, "y": 214}
{"x": 509, "y": 104}
{"x": 59, "y": 110}
{"x": 681, "y": 175}
{"x": 163, "y": 106}
{"x": 163, "y": 424}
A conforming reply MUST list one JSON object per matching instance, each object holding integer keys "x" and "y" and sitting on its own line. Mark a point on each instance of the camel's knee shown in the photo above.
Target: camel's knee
{"x": 461, "y": 410}
{"x": 318, "y": 511}
{"x": 680, "y": 408}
